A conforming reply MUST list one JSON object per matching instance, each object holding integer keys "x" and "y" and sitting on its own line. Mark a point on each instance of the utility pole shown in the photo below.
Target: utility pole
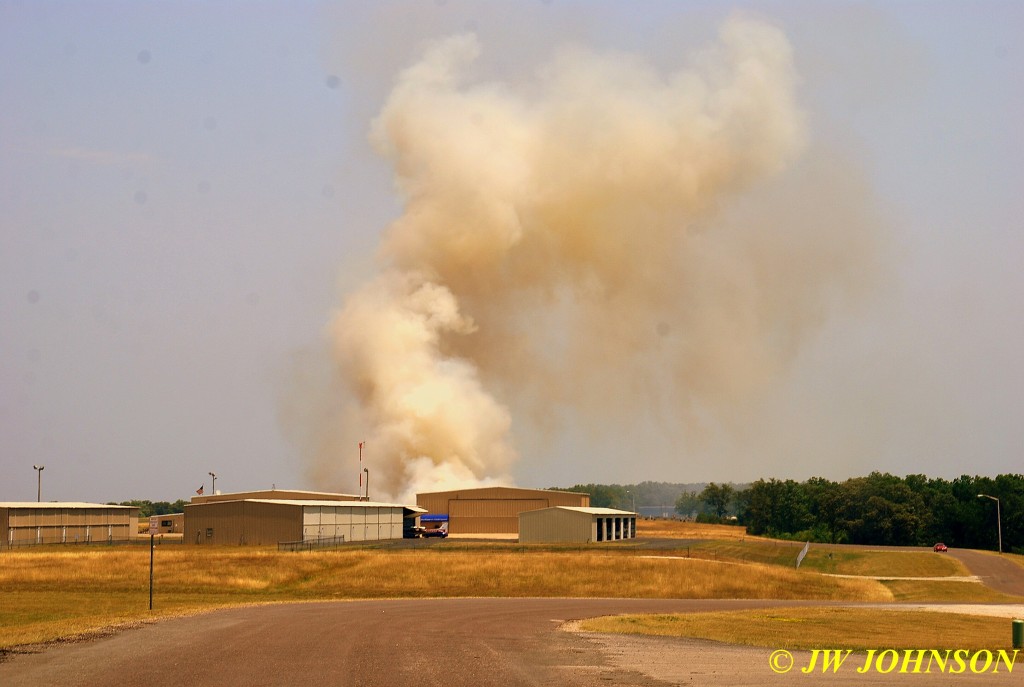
{"x": 39, "y": 481}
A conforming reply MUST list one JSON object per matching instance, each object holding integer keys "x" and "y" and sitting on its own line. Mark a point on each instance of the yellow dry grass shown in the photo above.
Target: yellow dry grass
{"x": 60, "y": 592}
{"x": 56, "y": 592}
{"x": 945, "y": 591}
{"x": 683, "y": 529}
{"x": 895, "y": 563}
{"x": 820, "y": 628}
{"x": 833, "y": 560}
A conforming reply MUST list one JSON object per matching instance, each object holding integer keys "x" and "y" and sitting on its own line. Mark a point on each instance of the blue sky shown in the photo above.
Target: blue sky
{"x": 189, "y": 193}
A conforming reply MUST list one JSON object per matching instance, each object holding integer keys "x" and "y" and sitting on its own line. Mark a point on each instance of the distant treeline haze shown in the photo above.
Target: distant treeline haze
{"x": 879, "y": 509}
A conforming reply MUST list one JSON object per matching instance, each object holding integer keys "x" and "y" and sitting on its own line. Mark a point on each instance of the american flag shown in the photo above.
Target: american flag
{"x": 200, "y": 490}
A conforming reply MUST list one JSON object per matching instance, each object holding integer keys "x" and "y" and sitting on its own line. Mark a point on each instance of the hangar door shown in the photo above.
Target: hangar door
{"x": 489, "y": 516}
{"x": 354, "y": 523}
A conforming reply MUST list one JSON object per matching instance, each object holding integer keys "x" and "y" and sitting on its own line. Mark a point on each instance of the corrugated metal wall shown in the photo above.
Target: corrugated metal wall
{"x": 500, "y": 516}
{"x": 263, "y": 523}
{"x": 555, "y": 525}
{"x": 493, "y": 510}
{"x": 242, "y": 522}
{"x": 354, "y": 523}
{"x": 63, "y": 525}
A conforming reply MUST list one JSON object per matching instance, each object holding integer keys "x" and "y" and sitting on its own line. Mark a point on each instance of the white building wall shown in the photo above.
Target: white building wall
{"x": 354, "y": 523}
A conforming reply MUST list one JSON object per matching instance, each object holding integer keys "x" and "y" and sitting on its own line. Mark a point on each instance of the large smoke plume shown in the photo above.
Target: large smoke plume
{"x": 576, "y": 246}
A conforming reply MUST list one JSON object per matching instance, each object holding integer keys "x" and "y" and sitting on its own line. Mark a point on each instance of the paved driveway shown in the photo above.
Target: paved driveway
{"x": 402, "y": 643}
{"x": 428, "y": 642}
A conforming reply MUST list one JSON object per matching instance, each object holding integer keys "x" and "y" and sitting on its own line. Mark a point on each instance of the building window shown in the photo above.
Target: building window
{"x": 209, "y": 532}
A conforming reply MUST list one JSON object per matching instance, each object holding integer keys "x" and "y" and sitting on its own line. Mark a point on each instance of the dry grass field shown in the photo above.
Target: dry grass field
{"x": 941, "y": 591}
{"x": 52, "y": 593}
{"x": 813, "y": 628}
{"x": 833, "y": 560}
{"x": 59, "y": 592}
{"x": 683, "y": 529}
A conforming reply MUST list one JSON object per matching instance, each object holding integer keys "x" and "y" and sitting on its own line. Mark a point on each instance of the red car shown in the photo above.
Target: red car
{"x": 941, "y": 548}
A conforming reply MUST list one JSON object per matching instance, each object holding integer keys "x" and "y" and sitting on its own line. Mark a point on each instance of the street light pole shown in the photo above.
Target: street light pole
{"x": 999, "y": 519}
{"x": 367, "y": 471}
{"x": 213, "y": 487}
{"x": 39, "y": 482}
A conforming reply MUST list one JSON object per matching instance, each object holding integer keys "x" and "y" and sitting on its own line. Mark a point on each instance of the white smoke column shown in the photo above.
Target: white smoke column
{"x": 557, "y": 250}
{"x": 422, "y": 406}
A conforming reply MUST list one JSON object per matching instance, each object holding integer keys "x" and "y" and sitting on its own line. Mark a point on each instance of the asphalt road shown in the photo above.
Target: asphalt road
{"x": 400, "y": 643}
{"x": 1001, "y": 574}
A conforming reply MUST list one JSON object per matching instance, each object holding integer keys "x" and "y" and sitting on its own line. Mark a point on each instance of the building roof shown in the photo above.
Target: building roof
{"x": 589, "y": 510}
{"x": 275, "y": 494}
{"x": 58, "y": 504}
{"x": 331, "y": 504}
{"x": 499, "y": 492}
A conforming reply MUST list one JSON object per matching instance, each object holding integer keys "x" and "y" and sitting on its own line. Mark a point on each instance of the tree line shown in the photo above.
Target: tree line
{"x": 880, "y": 509}
{"x": 148, "y": 508}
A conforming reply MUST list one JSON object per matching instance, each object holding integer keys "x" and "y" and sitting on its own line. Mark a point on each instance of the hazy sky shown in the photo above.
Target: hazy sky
{"x": 189, "y": 195}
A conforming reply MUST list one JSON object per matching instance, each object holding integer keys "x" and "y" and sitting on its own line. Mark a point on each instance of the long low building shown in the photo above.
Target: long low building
{"x": 55, "y": 522}
{"x": 566, "y": 524}
{"x": 263, "y": 521}
{"x": 169, "y": 523}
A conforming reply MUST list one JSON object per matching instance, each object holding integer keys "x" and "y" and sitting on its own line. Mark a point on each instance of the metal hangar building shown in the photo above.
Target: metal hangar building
{"x": 56, "y": 522}
{"x": 279, "y": 517}
{"x": 576, "y": 525}
{"x": 492, "y": 510}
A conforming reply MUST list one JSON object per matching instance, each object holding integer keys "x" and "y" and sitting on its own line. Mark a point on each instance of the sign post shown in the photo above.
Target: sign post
{"x": 154, "y": 527}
